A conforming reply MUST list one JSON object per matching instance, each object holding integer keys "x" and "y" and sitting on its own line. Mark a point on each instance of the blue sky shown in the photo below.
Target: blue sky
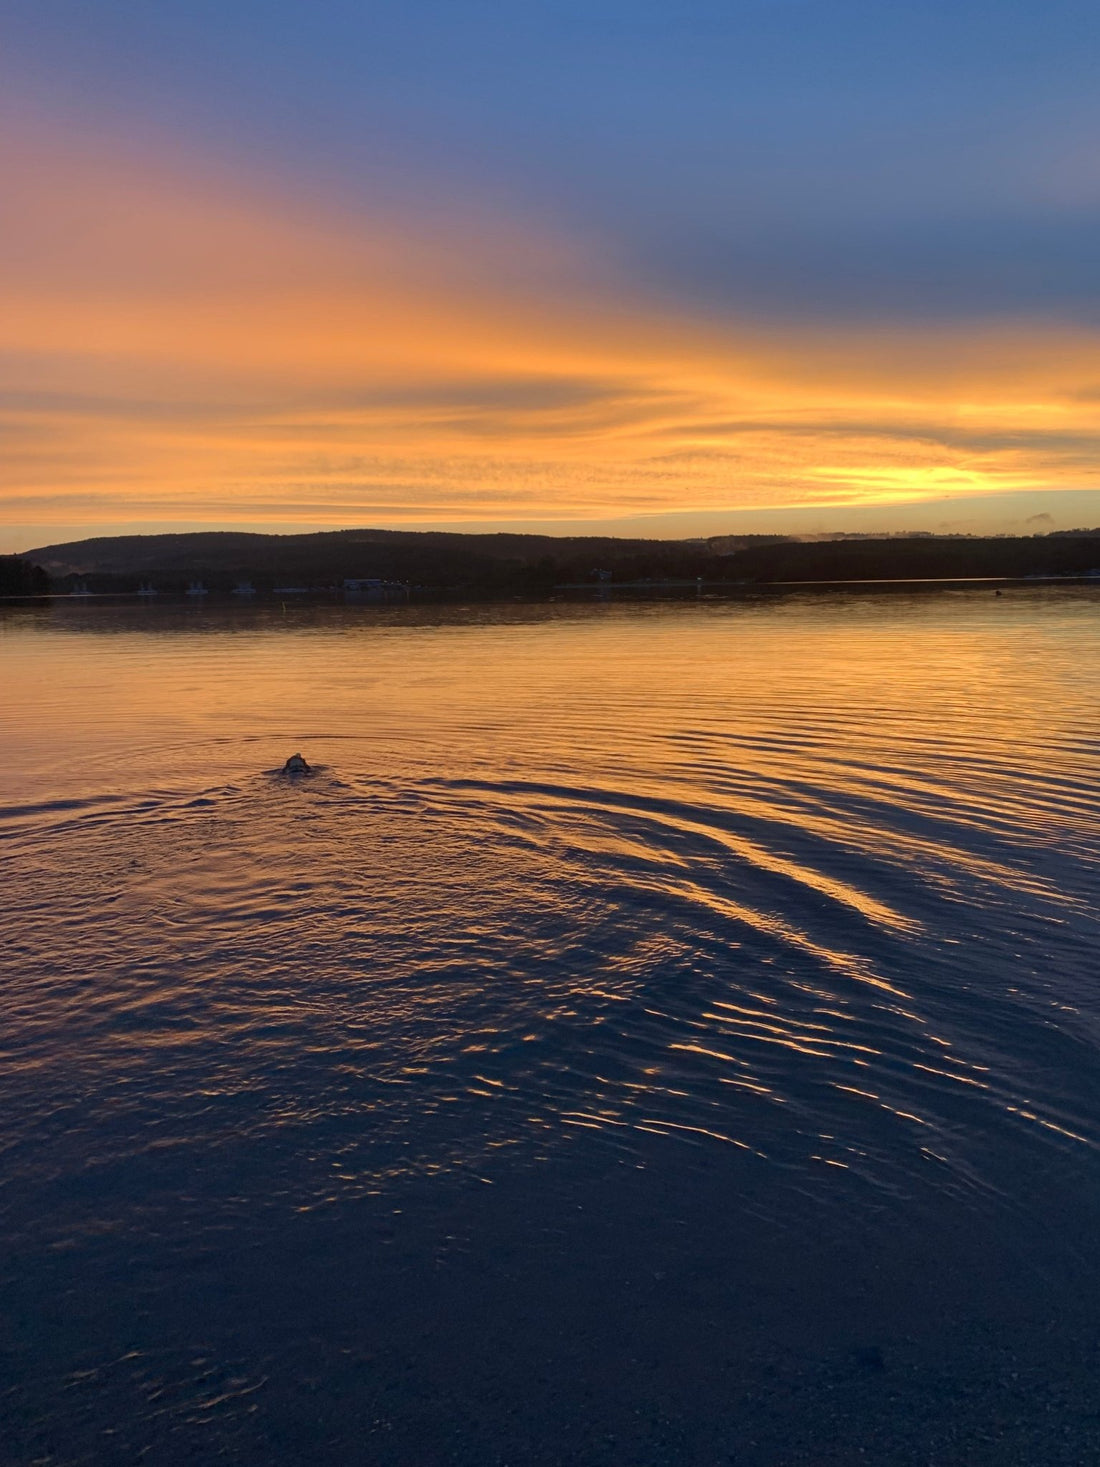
{"x": 775, "y": 155}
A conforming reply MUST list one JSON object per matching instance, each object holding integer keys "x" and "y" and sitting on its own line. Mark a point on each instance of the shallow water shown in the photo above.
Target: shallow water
{"x": 646, "y": 1029}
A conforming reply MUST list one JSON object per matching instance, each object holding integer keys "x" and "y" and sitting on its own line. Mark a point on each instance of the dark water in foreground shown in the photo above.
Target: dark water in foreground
{"x": 661, "y": 1035}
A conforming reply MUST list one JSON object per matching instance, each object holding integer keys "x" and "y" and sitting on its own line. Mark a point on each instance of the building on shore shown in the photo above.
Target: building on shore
{"x": 373, "y": 588}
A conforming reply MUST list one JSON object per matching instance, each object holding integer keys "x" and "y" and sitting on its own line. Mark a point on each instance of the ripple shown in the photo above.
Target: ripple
{"x": 828, "y": 931}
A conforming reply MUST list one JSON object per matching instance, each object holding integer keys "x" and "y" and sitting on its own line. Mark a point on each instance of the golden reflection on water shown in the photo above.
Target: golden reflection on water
{"x": 753, "y": 875}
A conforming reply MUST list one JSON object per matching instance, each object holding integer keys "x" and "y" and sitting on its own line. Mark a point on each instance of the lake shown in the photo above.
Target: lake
{"x": 652, "y": 1034}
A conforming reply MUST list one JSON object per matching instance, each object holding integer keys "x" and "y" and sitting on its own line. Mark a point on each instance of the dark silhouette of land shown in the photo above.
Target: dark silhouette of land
{"x": 501, "y": 565}
{"x": 20, "y": 576}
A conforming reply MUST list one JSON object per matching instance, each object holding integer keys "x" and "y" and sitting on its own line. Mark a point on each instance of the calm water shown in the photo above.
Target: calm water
{"x": 664, "y": 1034}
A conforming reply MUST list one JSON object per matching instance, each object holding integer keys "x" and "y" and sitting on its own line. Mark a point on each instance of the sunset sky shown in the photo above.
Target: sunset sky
{"x": 627, "y": 267}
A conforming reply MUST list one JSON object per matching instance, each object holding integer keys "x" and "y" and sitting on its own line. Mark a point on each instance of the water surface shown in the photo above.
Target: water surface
{"x": 651, "y": 1034}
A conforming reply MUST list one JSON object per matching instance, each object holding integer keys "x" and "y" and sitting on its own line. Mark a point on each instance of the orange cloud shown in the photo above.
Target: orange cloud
{"x": 173, "y": 347}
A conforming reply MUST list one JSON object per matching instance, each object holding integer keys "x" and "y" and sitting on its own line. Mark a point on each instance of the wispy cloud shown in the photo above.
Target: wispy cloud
{"x": 174, "y": 346}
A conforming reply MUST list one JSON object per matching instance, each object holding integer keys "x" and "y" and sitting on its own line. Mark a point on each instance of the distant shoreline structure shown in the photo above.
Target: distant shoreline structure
{"x": 576, "y": 591}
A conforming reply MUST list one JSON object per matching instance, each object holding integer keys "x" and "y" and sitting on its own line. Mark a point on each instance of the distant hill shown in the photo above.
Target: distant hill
{"x": 919, "y": 557}
{"x": 487, "y": 564}
{"x": 503, "y": 564}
